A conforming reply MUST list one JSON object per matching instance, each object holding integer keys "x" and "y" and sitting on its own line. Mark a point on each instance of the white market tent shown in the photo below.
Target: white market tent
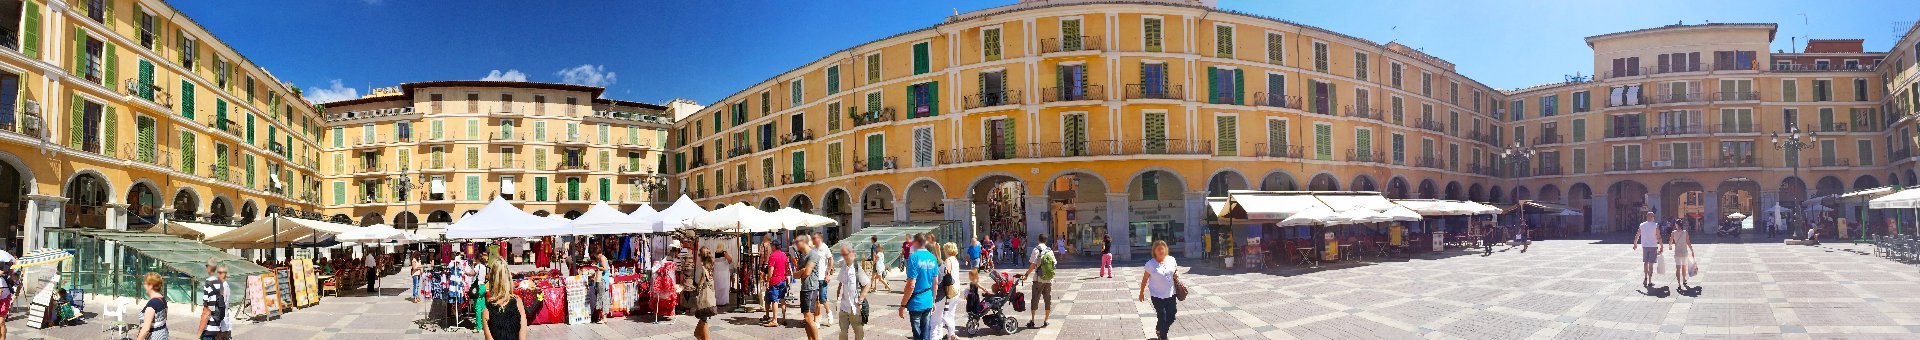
{"x": 501, "y": 219}
{"x": 1402, "y": 214}
{"x": 676, "y": 215}
{"x": 738, "y": 217}
{"x": 1294, "y": 208}
{"x": 1433, "y": 207}
{"x": 190, "y": 230}
{"x": 602, "y": 219}
{"x": 644, "y": 213}
{"x": 794, "y": 218}
{"x": 261, "y": 233}
{"x": 1905, "y": 199}
{"x": 374, "y": 234}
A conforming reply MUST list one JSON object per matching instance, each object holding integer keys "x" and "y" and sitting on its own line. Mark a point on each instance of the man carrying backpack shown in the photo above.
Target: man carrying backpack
{"x": 1042, "y": 260}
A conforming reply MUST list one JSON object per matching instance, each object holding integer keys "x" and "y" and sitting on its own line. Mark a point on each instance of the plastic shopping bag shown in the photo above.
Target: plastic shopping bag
{"x": 1693, "y": 267}
{"x": 1659, "y": 264}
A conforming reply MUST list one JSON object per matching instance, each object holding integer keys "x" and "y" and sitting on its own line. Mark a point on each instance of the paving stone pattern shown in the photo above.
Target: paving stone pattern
{"x": 1562, "y": 289}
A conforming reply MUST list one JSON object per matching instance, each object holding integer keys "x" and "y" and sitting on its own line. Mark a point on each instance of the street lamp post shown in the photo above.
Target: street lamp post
{"x": 1792, "y": 144}
{"x": 1516, "y": 157}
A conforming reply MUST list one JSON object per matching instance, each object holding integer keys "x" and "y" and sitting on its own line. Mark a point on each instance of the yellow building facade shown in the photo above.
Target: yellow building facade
{"x": 124, "y": 112}
{"x": 1081, "y": 120}
{"x": 432, "y": 151}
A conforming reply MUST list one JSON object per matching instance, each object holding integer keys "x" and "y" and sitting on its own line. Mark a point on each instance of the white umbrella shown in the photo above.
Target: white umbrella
{"x": 1736, "y": 216}
{"x": 1570, "y": 212}
{"x": 1313, "y": 215}
{"x": 737, "y": 218}
{"x": 1358, "y": 215}
{"x": 1402, "y": 214}
{"x": 372, "y": 234}
{"x": 6, "y": 256}
{"x": 794, "y": 218}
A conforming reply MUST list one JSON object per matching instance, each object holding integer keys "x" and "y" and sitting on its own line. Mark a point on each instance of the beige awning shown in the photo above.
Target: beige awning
{"x": 190, "y": 230}
{"x": 261, "y": 233}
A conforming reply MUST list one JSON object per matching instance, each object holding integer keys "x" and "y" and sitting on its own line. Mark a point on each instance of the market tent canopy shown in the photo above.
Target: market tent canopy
{"x": 738, "y": 218}
{"x": 794, "y": 218}
{"x": 1268, "y": 206}
{"x": 1291, "y": 208}
{"x": 644, "y": 212}
{"x": 261, "y": 233}
{"x": 375, "y": 234}
{"x": 1433, "y": 207}
{"x": 181, "y": 255}
{"x": 602, "y": 219}
{"x": 501, "y": 219}
{"x": 1547, "y": 207}
{"x": 1402, "y": 214}
{"x": 677, "y": 215}
{"x": 1905, "y": 199}
{"x": 190, "y": 230}
{"x": 1874, "y": 192}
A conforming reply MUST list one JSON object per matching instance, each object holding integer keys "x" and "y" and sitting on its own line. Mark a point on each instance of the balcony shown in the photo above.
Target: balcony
{"x": 1485, "y": 138}
{"x": 1832, "y": 127}
{"x": 573, "y": 139}
{"x": 871, "y": 116}
{"x": 1430, "y": 162}
{"x": 796, "y": 178}
{"x": 1161, "y": 91}
{"x": 507, "y": 165}
{"x": 795, "y": 137}
{"x": 149, "y": 92}
{"x": 1624, "y": 133}
{"x": 572, "y": 167}
{"x": 1737, "y": 161}
{"x": 1730, "y": 96}
{"x": 1431, "y": 125}
{"x": 1901, "y": 154}
{"x": 1072, "y": 44}
{"x": 1674, "y": 98}
{"x": 1548, "y": 170}
{"x": 874, "y": 164}
{"x": 1623, "y": 166}
{"x": 1839, "y": 162}
{"x": 230, "y": 127}
{"x": 1819, "y": 68}
{"x": 498, "y": 137}
{"x": 1073, "y": 93}
{"x": 1627, "y": 101}
{"x": 153, "y": 156}
{"x": 1735, "y": 128}
{"x": 1277, "y": 100}
{"x": 1675, "y": 130}
{"x": 1665, "y": 68}
{"x": 991, "y": 99}
{"x": 26, "y": 124}
{"x": 1862, "y": 125}
{"x": 978, "y": 154}
{"x": 1549, "y": 139}
{"x": 739, "y": 151}
{"x": 1365, "y": 113}
{"x": 1074, "y": 149}
{"x": 364, "y": 168}
{"x": 740, "y": 186}
{"x": 1354, "y": 155}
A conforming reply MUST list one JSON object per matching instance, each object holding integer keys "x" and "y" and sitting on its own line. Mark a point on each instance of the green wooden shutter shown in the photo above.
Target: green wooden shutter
{"x": 1323, "y": 142}
{"x": 573, "y": 188}
{"x": 1579, "y": 130}
{"x": 77, "y": 123}
{"x": 876, "y": 148}
{"x": 249, "y": 129}
{"x": 1227, "y": 129}
{"x": 146, "y": 79}
{"x": 1363, "y": 142}
{"x": 144, "y": 130}
{"x": 1239, "y": 87}
{"x": 799, "y": 165}
{"x": 339, "y": 192}
{"x": 220, "y": 113}
{"x": 921, "y": 58}
{"x": 1333, "y": 101}
{"x": 606, "y": 189}
{"x": 112, "y": 60}
{"x": 30, "y": 40}
{"x": 473, "y": 187}
{"x": 833, "y": 160}
{"x": 933, "y": 98}
{"x": 79, "y": 51}
{"x": 539, "y": 188}
{"x": 186, "y": 152}
{"x": 1213, "y": 85}
{"x": 1007, "y": 135}
{"x": 110, "y": 131}
{"x": 186, "y": 98}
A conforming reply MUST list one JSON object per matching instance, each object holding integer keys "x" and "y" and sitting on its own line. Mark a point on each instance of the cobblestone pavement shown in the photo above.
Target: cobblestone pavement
{"x": 1571, "y": 289}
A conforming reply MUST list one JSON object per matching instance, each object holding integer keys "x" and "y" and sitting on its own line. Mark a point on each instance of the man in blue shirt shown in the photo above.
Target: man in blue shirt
{"x": 973, "y": 253}
{"x": 922, "y": 276}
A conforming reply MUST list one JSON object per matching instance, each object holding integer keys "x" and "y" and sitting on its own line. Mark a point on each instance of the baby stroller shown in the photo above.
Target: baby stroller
{"x": 988, "y": 307}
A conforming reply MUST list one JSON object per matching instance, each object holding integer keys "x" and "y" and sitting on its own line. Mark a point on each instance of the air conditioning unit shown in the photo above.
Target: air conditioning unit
{"x": 33, "y": 107}
{"x": 1662, "y": 164}
{"x": 132, "y": 87}
{"x": 875, "y": 204}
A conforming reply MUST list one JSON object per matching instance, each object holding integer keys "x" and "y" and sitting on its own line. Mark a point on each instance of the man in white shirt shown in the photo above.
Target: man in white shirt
{"x": 373, "y": 272}
{"x": 1647, "y": 240}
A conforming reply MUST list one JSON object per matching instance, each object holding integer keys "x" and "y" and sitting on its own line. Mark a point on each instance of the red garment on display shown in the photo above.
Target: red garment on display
{"x": 543, "y": 254}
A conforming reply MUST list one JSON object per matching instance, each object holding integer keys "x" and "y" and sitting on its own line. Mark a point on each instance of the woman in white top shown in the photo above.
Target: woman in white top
{"x": 950, "y": 266}
{"x": 1162, "y": 275}
{"x": 1682, "y": 243}
{"x": 723, "y": 273}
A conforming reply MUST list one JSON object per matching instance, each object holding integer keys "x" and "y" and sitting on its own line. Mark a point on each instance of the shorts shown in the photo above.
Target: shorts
{"x": 1650, "y": 254}
{"x": 1042, "y": 291}
{"x": 776, "y": 292}
{"x": 808, "y": 298}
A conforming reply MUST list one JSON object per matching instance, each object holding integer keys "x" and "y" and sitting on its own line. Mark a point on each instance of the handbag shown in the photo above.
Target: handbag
{"x": 1179, "y": 289}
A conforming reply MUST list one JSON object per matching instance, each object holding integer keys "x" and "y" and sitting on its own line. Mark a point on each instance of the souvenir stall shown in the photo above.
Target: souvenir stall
{"x": 293, "y": 282}
{"x": 454, "y": 283}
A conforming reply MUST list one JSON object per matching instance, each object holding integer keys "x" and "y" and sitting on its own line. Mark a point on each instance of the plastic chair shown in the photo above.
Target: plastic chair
{"x": 118, "y": 312}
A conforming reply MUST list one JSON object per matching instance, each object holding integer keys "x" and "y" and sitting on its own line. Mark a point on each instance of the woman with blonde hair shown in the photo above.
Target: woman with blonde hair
{"x": 505, "y": 315}
{"x": 950, "y": 273}
{"x": 153, "y": 317}
{"x": 1161, "y": 281}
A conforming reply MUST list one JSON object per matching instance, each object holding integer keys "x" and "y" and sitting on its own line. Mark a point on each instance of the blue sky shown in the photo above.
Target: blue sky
{"x": 658, "y": 50}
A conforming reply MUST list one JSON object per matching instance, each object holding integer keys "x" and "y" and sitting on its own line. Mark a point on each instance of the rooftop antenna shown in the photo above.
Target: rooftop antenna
{"x": 1803, "y": 25}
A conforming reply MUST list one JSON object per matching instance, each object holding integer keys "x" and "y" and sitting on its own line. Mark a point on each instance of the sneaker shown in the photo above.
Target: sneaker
{"x": 1029, "y": 324}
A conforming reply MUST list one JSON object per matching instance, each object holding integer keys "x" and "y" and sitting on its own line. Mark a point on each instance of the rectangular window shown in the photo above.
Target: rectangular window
{"x": 923, "y": 99}
{"x": 1549, "y": 105}
{"x": 990, "y": 44}
{"x": 833, "y": 159}
{"x": 1789, "y": 90}
{"x": 1579, "y": 130}
{"x": 921, "y": 58}
{"x": 1579, "y": 161}
{"x": 1154, "y": 35}
{"x": 1223, "y": 41}
{"x": 833, "y": 117}
{"x": 1321, "y": 54}
{"x": 1277, "y": 138}
{"x": 798, "y": 87}
{"x": 1156, "y": 132}
{"x": 1226, "y": 130}
{"x": 1399, "y": 146}
{"x": 923, "y": 147}
{"x": 473, "y": 187}
{"x": 1822, "y": 90}
{"x": 1276, "y": 48}
{"x": 1426, "y": 84}
{"x": 833, "y": 79}
{"x": 1864, "y": 149}
{"x": 1582, "y": 101}
{"x": 873, "y": 68}
{"x": 1073, "y": 134}
{"x": 1360, "y": 68}
{"x": 1323, "y": 141}
{"x": 1225, "y": 86}
{"x": 1362, "y": 144}
{"x": 1394, "y": 74}
{"x": 1859, "y": 90}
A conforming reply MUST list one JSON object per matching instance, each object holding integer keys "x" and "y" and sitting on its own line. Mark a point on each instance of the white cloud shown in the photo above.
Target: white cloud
{"x": 335, "y": 92}
{"x": 509, "y": 75}
{"x": 588, "y": 74}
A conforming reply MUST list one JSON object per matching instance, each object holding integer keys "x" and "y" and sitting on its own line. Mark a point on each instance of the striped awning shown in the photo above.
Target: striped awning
{"x": 43, "y": 256}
